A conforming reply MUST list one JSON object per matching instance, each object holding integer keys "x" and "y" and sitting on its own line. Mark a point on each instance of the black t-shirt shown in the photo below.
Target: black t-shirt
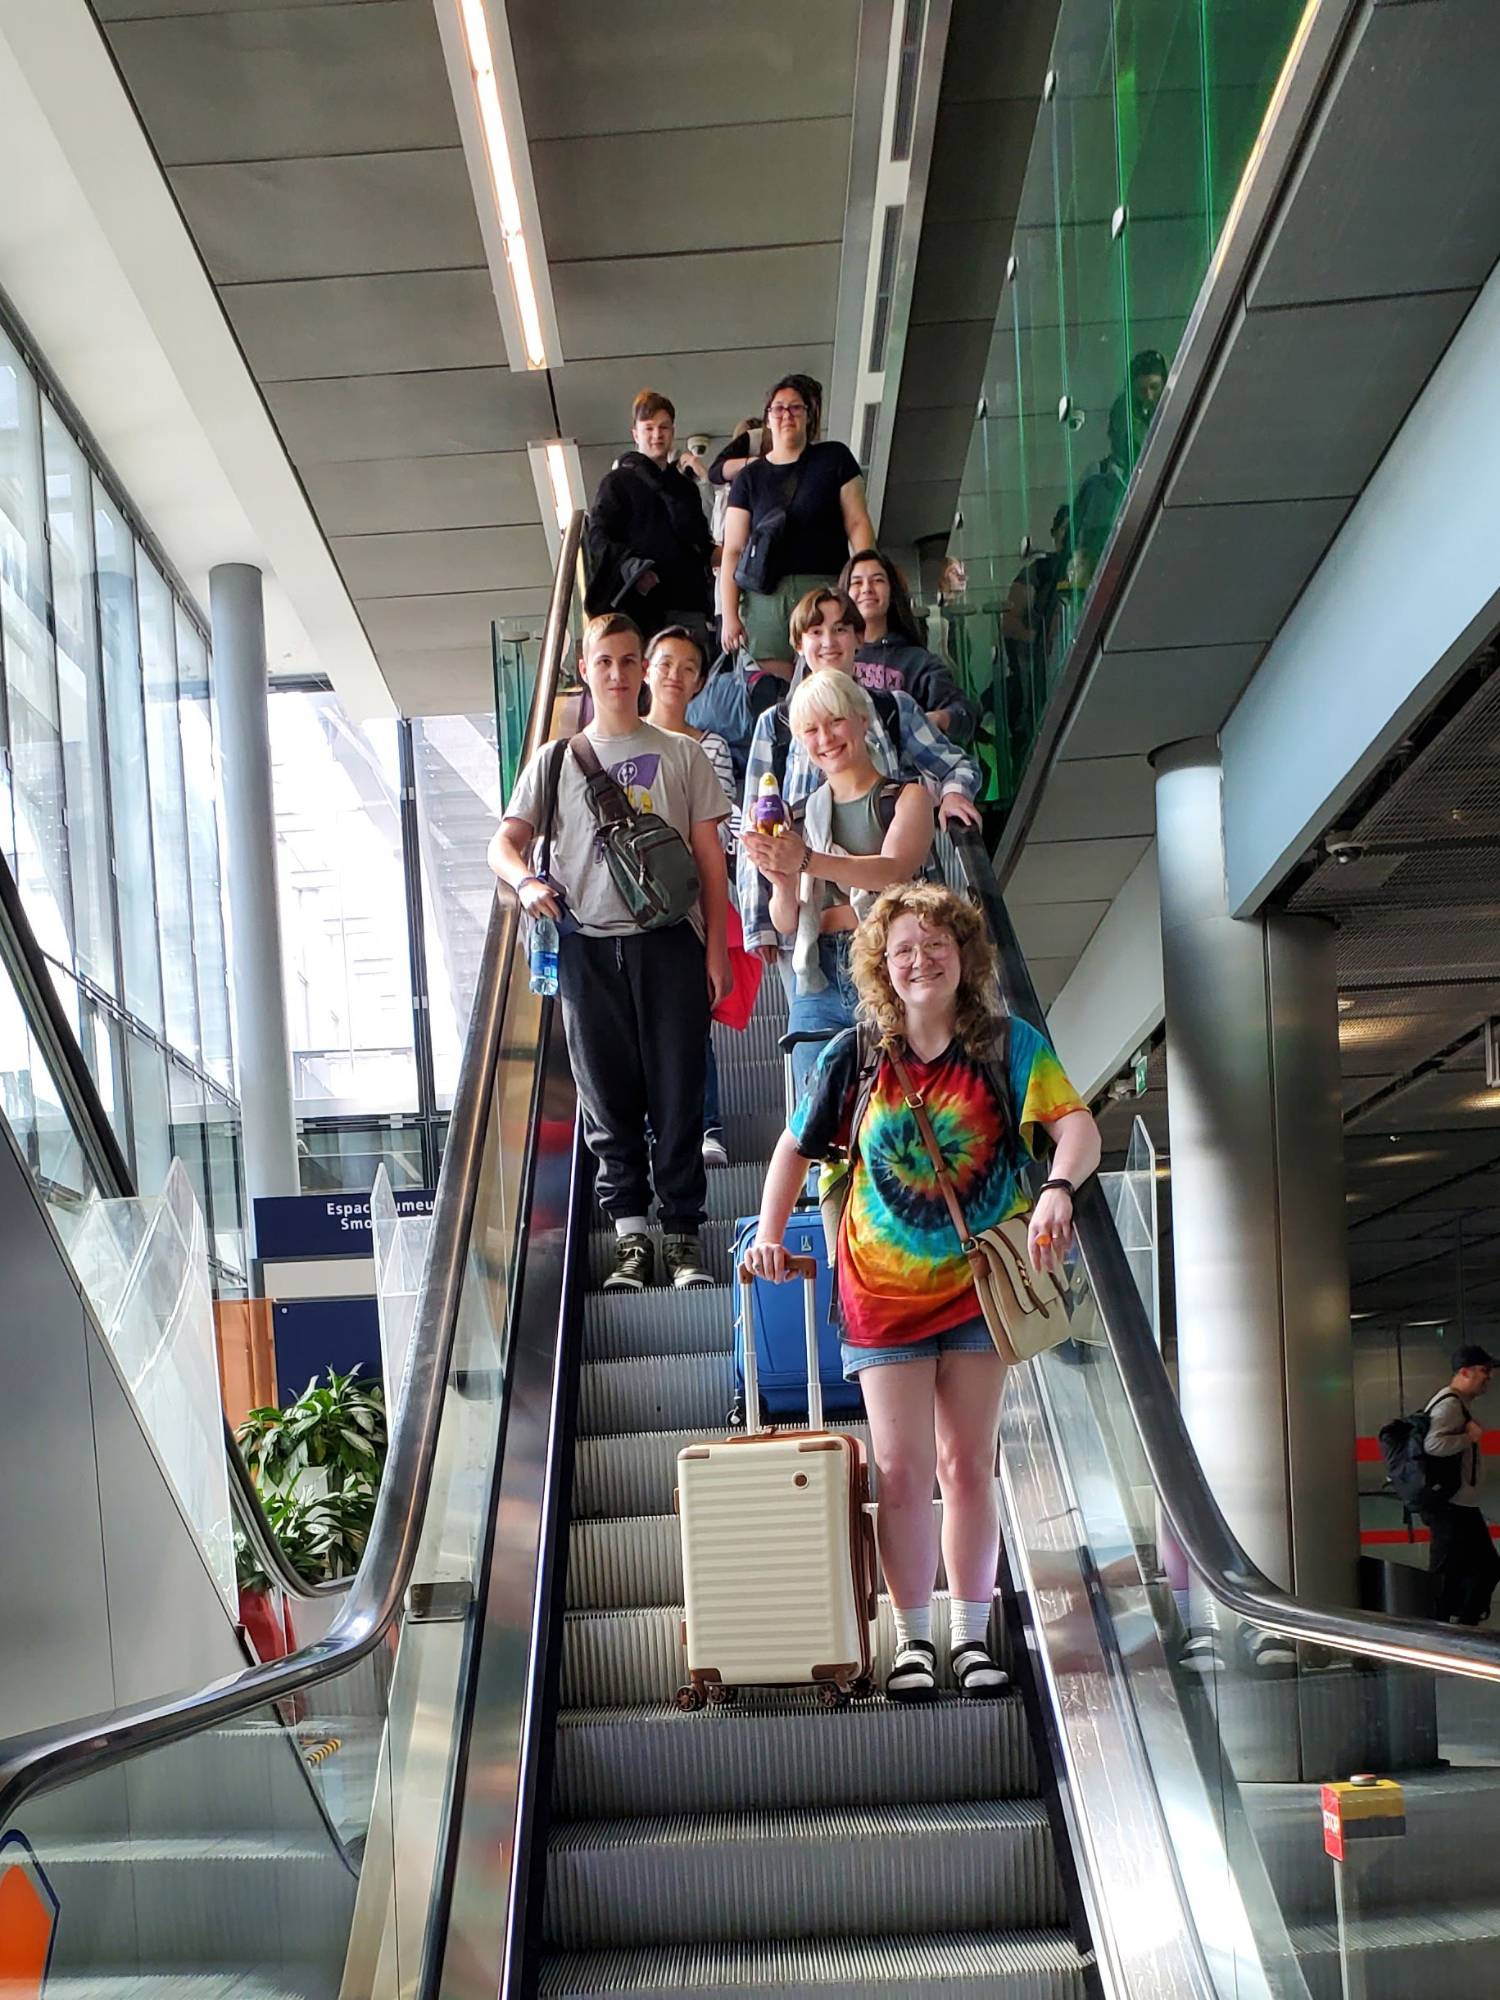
{"x": 814, "y": 541}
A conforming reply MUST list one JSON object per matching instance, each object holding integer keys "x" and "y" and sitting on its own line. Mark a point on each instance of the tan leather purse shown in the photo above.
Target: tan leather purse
{"x": 1022, "y": 1308}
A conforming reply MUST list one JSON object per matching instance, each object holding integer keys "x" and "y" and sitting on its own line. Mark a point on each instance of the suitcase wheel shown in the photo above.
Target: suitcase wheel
{"x": 688, "y": 1698}
{"x": 720, "y": 1696}
{"x": 863, "y": 1688}
{"x": 831, "y": 1695}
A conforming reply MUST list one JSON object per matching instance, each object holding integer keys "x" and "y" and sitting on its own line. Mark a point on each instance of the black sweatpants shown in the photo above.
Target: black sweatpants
{"x": 1463, "y": 1564}
{"x": 636, "y": 1013}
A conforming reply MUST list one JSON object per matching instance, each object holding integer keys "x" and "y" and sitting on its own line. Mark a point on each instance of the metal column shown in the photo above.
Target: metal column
{"x": 1259, "y": 1244}
{"x": 264, "y": 1055}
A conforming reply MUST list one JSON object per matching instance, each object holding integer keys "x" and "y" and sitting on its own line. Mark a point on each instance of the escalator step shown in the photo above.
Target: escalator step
{"x": 614, "y": 1762}
{"x": 659, "y": 1392}
{"x": 614, "y": 1659}
{"x": 976, "y": 1965}
{"x": 823, "y": 1873}
{"x": 751, "y": 1134}
{"x": 617, "y": 1325}
{"x": 613, "y": 1565}
{"x": 636, "y": 1473}
{"x": 283, "y": 1984}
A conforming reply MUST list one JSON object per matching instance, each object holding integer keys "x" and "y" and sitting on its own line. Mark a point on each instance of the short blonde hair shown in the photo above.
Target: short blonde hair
{"x": 828, "y": 692}
{"x": 980, "y": 1008}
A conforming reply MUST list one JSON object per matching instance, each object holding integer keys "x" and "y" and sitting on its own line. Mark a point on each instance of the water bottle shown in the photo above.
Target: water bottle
{"x": 543, "y": 956}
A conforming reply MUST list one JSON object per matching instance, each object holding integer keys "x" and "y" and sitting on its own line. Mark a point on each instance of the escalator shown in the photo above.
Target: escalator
{"x": 539, "y": 1817}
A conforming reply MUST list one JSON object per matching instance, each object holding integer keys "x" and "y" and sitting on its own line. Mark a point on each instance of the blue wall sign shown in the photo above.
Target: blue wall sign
{"x": 324, "y": 1225}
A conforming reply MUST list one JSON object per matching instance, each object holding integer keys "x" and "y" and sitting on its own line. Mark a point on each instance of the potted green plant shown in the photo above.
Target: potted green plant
{"x": 317, "y": 1466}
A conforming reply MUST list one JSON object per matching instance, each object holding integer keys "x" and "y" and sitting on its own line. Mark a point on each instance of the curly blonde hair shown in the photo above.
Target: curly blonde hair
{"x": 980, "y": 1007}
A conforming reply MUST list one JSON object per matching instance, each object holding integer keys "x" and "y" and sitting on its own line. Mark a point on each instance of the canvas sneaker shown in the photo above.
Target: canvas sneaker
{"x": 632, "y": 1268}
{"x": 715, "y": 1152}
{"x": 682, "y": 1262}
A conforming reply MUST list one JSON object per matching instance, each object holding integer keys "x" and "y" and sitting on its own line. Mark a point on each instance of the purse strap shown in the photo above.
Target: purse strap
{"x": 607, "y": 800}
{"x": 918, "y": 1111}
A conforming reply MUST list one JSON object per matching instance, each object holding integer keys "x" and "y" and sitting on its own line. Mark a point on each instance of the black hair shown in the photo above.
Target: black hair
{"x": 810, "y": 389}
{"x": 901, "y": 618}
{"x": 681, "y": 632}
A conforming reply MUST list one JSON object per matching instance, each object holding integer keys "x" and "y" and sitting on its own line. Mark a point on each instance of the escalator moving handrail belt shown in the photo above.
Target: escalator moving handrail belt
{"x": 1207, "y": 1540}
{"x": 46, "y": 1758}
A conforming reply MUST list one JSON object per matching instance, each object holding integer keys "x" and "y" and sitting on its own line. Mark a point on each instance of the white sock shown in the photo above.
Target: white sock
{"x": 630, "y": 1225}
{"x": 915, "y": 1624}
{"x": 968, "y": 1618}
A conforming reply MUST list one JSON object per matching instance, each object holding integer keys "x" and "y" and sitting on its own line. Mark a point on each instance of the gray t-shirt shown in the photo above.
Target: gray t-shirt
{"x": 667, "y": 775}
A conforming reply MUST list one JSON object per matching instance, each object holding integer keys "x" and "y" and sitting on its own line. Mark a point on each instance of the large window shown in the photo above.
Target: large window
{"x": 108, "y": 819}
{"x": 343, "y": 909}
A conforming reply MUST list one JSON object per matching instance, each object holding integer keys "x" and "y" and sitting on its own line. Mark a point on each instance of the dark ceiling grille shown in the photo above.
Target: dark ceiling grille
{"x": 908, "y": 68}
{"x": 885, "y": 285}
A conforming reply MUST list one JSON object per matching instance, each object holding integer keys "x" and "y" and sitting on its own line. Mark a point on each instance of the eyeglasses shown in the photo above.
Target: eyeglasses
{"x": 935, "y": 951}
{"x": 788, "y": 410}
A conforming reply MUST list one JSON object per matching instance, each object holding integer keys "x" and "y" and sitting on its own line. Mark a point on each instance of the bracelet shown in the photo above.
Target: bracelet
{"x": 1067, "y": 1187}
{"x": 530, "y": 878}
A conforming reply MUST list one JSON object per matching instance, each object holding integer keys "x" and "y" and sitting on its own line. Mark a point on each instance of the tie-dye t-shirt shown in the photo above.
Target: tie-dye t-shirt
{"x": 901, "y": 1274}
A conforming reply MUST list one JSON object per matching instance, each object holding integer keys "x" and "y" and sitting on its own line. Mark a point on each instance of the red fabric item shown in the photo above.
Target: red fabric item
{"x": 748, "y": 971}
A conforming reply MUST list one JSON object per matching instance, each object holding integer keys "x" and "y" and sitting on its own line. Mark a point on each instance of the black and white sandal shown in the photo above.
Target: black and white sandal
{"x": 977, "y": 1675}
{"x": 913, "y": 1677}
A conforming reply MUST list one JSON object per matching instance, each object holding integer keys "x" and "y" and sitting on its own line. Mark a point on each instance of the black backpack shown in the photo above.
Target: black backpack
{"x": 1415, "y": 1479}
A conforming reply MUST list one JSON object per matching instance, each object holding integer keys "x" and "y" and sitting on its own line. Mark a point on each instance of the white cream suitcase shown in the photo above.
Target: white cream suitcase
{"x": 778, "y": 1551}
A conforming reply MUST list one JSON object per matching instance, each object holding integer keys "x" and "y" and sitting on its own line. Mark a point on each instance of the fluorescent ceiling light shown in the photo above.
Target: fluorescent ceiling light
{"x": 497, "y": 104}
{"x": 557, "y": 471}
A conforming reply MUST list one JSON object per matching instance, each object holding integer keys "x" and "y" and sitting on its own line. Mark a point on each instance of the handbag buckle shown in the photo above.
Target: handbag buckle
{"x": 915, "y": 1103}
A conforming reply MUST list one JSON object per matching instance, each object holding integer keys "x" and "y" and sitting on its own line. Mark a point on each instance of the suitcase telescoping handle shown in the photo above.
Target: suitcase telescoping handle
{"x": 805, "y": 1268}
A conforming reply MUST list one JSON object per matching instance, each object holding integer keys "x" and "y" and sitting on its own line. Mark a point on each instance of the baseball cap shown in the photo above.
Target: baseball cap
{"x": 1472, "y": 1357}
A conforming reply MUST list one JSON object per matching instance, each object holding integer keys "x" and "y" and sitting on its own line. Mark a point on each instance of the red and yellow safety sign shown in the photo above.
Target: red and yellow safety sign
{"x": 1362, "y": 1809}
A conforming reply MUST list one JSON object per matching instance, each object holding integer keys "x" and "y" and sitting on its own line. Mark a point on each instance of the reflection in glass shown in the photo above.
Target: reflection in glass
{"x": 201, "y": 773}
{"x": 344, "y": 1158}
{"x": 459, "y": 798}
{"x": 130, "y": 810}
{"x": 80, "y": 700}
{"x": 174, "y": 894}
{"x": 34, "y": 734}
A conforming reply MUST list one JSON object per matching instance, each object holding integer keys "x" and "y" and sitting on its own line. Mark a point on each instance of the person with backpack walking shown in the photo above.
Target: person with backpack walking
{"x": 932, "y": 1033}
{"x": 1463, "y": 1564}
{"x": 648, "y": 544}
{"x": 826, "y": 629}
{"x": 793, "y": 517}
{"x": 861, "y": 832}
{"x": 614, "y": 836}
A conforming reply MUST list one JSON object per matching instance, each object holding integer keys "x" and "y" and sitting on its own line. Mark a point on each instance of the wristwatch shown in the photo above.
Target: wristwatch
{"x": 1067, "y": 1187}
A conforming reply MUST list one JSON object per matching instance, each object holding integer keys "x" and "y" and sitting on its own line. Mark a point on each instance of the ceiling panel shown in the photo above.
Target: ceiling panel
{"x": 1069, "y": 871}
{"x": 1057, "y": 930}
{"x": 1402, "y": 191}
{"x": 1111, "y": 796}
{"x": 1138, "y": 701}
{"x": 1345, "y": 376}
{"x": 442, "y": 560}
{"x": 457, "y": 680}
{"x": 682, "y": 305}
{"x": 469, "y": 490}
{"x": 711, "y": 391}
{"x": 655, "y": 65}
{"x": 400, "y": 416}
{"x": 1211, "y": 576}
{"x": 253, "y": 86}
{"x": 332, "y": 218}
{"x": 652, "y": 194}
{"x": 443, "y": 624}
{"x": 397, "y": 324}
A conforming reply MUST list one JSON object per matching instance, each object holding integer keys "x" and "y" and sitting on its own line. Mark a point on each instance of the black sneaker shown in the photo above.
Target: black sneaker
{"x": 682, "y": 1262}
{"x": 632, "y": 1270}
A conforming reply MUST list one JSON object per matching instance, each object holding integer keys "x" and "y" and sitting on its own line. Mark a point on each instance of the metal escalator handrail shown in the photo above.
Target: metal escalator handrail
{"x": 1207, "y": 1540}
{"x": 47, "y": 1758}
{"x": 24, "y": 960}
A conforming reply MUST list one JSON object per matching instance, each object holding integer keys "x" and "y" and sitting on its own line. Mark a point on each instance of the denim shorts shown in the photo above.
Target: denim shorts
{"x": 970, "y": 1336}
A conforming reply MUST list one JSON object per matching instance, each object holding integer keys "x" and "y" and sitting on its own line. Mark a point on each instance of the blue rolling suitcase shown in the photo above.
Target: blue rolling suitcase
{"x": 780, "y": 1335}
